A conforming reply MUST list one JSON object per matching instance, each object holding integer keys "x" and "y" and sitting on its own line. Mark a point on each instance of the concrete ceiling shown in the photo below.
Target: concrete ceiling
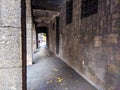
{"x": 52, "y": 5}
{"x": 45, "y": 10}
{"x": 43, "y": 16}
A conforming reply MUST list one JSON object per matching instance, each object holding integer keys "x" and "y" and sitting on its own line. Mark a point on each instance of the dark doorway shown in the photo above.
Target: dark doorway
{"x": 23, "y": 36}
{"x": 57, "y": 34}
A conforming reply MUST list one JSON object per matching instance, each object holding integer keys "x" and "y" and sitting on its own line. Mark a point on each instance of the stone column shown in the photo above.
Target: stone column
{"x": 10, "y": 45}
{"x": 34, "y": 38}
{"x": 29, "y": 32}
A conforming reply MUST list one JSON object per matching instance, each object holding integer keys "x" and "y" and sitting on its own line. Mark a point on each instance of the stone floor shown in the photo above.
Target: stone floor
{"x": 50, "y": 73}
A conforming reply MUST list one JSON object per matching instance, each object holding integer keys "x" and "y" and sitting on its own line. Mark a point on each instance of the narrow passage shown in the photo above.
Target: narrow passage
{"x": 50, "y": 73}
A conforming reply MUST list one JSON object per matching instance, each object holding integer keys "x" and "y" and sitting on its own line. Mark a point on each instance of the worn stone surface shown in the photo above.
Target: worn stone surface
{"x": 10, "y": 48}
{"x": 10, "y": 13}
{"x": 29, "y": 33}
{"x": 10, "y": 79}
{"x": 28, "y": 1}
{"x": 10, "y": 45}
{"x": 29, "y": 45}
{"x": 91, "y": 45}
{"x": 52, "y": 32}
{"x": 28, "y": 12}
{"x": 50, "y": 73}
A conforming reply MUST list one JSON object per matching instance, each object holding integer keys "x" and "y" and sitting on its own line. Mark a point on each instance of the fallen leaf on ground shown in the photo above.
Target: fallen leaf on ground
{"x": 55, "y": 70}
{"x": 59, "y": 79}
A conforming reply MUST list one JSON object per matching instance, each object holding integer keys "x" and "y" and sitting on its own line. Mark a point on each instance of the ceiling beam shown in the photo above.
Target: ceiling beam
{"x": 49, "y": 8}
{"x": 37, "y": 4}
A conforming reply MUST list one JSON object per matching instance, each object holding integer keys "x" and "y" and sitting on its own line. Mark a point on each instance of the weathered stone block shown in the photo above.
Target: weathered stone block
{"x": 115, "y": 6}
{"x": 28, "y": 1}
{"x": 98, "y": 41}
{"x": 29, "y": 44}
{"x": 112, "y": 38}
{"x": 28, "y": 10}
{"x": 29, "y": 21}
{"x": 114, "y": 69}
{"x": 10, "y": 79}
{"x": 116, "y": 25}
{"x": 10, "y": 47}
{"x": 10, "y": 13}
{"x": 91, "y": 45}
{"x": 29, "y": 27}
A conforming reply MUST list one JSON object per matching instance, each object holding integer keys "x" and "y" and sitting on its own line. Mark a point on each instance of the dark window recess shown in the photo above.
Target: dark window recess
{"x": 89, "y": 7}
{"x": 57, "y": 35}
{"x": 69, "y": 11}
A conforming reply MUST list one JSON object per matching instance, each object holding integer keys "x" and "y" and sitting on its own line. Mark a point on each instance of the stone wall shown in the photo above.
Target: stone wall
{"x": 91, "y": 45}
{"x": 10, "y": 45}
{"x": 52, "y": 32}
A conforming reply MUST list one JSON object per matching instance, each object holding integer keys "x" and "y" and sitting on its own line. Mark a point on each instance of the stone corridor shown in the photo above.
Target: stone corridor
{"x": 50, "y": 73}
{"x": 84, "y": 34}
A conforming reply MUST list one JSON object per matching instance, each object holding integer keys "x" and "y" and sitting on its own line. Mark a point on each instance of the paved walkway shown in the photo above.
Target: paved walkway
{"x": 50, "y": 73}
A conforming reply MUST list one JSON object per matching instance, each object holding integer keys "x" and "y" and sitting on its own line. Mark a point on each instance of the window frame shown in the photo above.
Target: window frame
{"x": 88, "y": 8}
{"x": 69, "y": 11}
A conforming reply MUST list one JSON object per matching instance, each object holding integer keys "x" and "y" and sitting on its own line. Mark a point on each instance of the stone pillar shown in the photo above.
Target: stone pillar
{"x": 10, "y": 45}
{"x": 34, "y": 38}
{"x": 29, "y": 32}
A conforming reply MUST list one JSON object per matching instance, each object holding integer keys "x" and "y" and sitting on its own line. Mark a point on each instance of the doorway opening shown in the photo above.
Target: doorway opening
{"x": 41, "y": 40}
{"x": 57, "y": 34}
{"x": 42, "y": 37}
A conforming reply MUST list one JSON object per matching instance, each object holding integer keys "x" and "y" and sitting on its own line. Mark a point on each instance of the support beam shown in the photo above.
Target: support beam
{"x": 44, "y": 6}
{"x": 29, "y": 32}
{"x": 34, "y": 38}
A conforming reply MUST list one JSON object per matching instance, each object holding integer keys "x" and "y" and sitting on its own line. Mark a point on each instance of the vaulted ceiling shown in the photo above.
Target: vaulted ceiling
{"x": 44, "y": 10}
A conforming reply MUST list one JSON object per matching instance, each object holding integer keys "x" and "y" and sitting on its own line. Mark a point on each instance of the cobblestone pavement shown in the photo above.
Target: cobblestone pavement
{"x": 50, "y": 73}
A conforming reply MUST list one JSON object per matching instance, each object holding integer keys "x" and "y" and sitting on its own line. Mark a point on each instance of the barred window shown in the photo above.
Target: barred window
{"x": 69, "y": 11}
{"x": 89, "y": 7}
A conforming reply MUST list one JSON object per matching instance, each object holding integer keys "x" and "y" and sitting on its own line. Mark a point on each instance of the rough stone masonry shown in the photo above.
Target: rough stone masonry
{"x": 91, "y": 45}
{"x": 10, "y": 45}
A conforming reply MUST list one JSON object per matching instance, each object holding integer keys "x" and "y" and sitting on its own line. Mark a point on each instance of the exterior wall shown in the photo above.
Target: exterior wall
{"x": 10, "y": 45}
{"x": 29, "y": 32}
{"x": 91, "y": 45}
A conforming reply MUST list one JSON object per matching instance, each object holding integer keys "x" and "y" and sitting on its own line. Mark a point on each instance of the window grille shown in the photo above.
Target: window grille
{"x": 69, "y": 11}
{"x": 89, "y": 7}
